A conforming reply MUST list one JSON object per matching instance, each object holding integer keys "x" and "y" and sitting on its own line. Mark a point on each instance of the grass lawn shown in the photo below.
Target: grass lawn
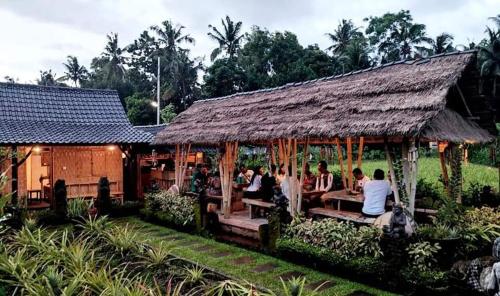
{"x": 187, "y": 246}
{"x": 429, "y": 169}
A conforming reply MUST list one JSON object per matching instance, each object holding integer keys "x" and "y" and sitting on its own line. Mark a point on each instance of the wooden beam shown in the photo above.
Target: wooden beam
{"x": 293, "y": 183}
{"x": 461, "y": 95}
{"x": 360, "y": 151}
{"x": 413, "y": 160}
{"x": 394, "y": 181}
{"x": 14, "y": 174}
{"x": 444, "y": 169}
{"x": 302, "y": 175}
{"x": 405, "y": 156}
{"x": 349, "y": 163}
{"x": 341, "y": 163}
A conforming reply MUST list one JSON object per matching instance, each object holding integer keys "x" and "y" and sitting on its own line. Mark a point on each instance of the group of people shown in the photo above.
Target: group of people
{"x": 264, "y": 184}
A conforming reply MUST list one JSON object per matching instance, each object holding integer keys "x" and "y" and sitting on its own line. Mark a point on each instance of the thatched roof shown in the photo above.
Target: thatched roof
{"x": 408, "y": 98}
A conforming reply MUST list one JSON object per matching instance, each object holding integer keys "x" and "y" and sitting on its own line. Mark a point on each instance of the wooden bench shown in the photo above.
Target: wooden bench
{"x": 341, "y": 215}
{"x": 430, "y": 212}
{"x": 256, "y": 204}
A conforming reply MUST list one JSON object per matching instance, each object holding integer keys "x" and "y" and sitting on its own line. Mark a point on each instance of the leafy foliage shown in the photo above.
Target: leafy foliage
{"x": 172, "y": 207}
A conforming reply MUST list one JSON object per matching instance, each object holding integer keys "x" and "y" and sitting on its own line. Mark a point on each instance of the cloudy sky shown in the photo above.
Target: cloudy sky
{"x": 39, "y": 34}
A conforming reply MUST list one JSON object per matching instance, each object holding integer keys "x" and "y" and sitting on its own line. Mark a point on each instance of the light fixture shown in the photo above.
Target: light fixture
{"x": 199, "y": 155}
{"x": 111, "y": 147}
{"x": 154, "y": 104}
{"x": 37, "y": 149}
{"x": 124, "y": 155}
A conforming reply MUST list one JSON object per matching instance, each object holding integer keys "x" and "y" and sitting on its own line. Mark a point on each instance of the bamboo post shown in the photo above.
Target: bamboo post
{"x": 413, "y": 161}
{"x": 444, "y": 169}
{"x": 302, "y": 175}
{"x": 273, "y": 154}
{"x": 405, "y": 155}
{"x": 341, "y": 162}
{"x": 360, "y": 151}
{"x": 293, "y": 183}
{"x": 177, "y": 164}
{"x": 186, "y": 150}
{"x": 394, "y": 182}
{"x": 349, "y": 163}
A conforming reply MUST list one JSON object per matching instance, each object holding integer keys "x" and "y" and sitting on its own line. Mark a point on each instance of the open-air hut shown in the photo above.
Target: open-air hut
{"x": 401, "y": 103}
{"x": 74, "y": 134}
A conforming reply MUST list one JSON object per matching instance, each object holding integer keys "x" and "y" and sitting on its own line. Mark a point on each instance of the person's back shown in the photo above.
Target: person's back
{"x": 375, "y": 193}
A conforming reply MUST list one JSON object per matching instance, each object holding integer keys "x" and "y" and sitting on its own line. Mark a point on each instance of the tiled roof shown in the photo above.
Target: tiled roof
{"x": 32, "y": 114}
{"x": 152, "y": 129}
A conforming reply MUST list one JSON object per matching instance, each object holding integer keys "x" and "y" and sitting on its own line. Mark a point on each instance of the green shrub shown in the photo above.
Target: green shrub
{"x": 341, "y": 238}
{"x": 172, "y": 208}
{"x": 79, "y": 207}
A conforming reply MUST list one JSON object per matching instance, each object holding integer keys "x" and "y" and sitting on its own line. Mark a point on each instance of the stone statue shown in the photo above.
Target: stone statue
{"x": 397, "y": 224}
{"x": 61, "y": 200}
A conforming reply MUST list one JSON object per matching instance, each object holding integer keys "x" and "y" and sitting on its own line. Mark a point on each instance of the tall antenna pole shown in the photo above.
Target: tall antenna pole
{"x": 158, "y": 94}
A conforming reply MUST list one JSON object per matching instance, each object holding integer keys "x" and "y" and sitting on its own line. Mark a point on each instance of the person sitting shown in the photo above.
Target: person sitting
{"x": 245, "y": 175}
{"x": 268, "y": 183}
{"x": 199, "y": 182}
{"x": 281, "y": 174}
{"x": 285, "y": 185}
{"x": 375, "y": 195}
{"x": 324, "y": 182}
{"x": 254, "y": 188}
{"x": 361, "y": 179}
{"x": 309, "y": 178}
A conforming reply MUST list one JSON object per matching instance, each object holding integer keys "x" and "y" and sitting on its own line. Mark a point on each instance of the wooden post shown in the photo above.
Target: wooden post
{"x": 444, "y": 170}
{"x": 456, "y": 172}
{"x": 341, "y": 162}
{"x": 360, "y": 151}
{"x": 293, "y": 183}
{"x": 302, "y": 175}
{"x": 413, "y": 162}
{"x": 14, "y": 174}
{"x": 226, "y": 167}
{"x": 349, "y": 163}
{"x": 177, "y": 164}
{"x": 394, "y": 181}
{"x": 405, "y": 155}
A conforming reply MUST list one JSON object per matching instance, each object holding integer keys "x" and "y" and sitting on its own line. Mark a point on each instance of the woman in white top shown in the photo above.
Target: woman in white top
{"x": 325, "y": 180}
{"x": 253, "y": 190}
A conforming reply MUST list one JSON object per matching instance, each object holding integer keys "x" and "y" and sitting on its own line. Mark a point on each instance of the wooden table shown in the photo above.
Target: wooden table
{"x": 254, "y": 204}
{"x": 313, "y": 193}
{"x": 341, "y": 195}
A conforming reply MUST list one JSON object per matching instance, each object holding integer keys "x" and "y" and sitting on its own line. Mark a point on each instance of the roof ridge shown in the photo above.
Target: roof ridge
{"x": 413, "y": 61}
{"x": 151, "y": 125}
{"x": 57, "y": 87}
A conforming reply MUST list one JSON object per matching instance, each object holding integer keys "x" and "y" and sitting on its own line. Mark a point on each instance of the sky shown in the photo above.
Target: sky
{"x": 39, "y": 34}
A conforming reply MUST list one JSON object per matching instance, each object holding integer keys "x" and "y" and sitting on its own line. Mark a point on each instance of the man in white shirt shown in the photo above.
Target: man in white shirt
{"x": 325, "y": 180}
{"x": 245, "y": 174}
{"x": 361, "y": 179}
{"x": 375, "y": 193}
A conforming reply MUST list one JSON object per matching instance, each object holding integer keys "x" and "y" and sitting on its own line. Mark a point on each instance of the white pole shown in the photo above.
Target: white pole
{"x": 158, "y": 94}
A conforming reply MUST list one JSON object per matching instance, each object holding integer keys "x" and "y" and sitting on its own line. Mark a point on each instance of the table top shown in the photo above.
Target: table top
{"x": 312, "y": 193}
{"x": 343, "y": 195}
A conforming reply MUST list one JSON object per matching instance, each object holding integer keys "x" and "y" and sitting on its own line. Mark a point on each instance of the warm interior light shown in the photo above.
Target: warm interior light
{"x": 199, "y": 155}
{"x": 111, "y": 147}
{"x": 37, "y": 149}
{"x": 123, "y": 155}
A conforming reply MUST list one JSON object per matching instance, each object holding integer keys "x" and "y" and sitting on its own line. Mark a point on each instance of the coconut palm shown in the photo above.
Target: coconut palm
{"x": 115, "y": 60}
{"x": 74, "y": 71}
{"x": 443, "y": 43}
{"x": 489, "y": 62}
{"x": 229, "y": 39}
{"x": 342, "y": 36}
{"x": 171, "y": 36}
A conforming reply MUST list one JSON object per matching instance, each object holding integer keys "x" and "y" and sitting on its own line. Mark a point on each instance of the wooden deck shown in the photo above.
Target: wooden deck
{"x": 341, "y": 215}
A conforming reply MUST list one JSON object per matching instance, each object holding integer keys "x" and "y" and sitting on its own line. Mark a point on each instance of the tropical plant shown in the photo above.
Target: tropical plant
{"x": 114, "y": 61}
{"x": 443, "y": 43}
{"x": 74, "y": 71}
{"x": 195, "y": 275}
{"x": 168, "y": 113}
{"x": 48, "y": 78}
{"x": 79, "y": 207}
{"x": 229, "y": 40}
{"x": 489, "y": 63}
{"x": 171, "y": 36}
{"x": 343, "y": 36}
{"x": 422, "y": 255}
{"x": 175, "y": 208}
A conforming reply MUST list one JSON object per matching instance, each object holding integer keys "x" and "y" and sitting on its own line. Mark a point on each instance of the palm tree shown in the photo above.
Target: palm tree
{"x": 74, "y": 71}
{"x": 229, "y": 40}
{"x": 405, "y": 38}
{"x": 171, "y": 36}
{"x": 48, "y": 78}
{"x": 115, "y": 60}
{"x": 443, "y": 43}
{"x": 489, "y": 63}
{"x": 342, "y": 36}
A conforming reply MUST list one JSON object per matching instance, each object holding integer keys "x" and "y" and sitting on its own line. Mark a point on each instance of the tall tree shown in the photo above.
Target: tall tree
{"x": 48, "y": 78}
{"x": 171, "y": 36}
{"x": 115, "y": 61}
{"x": 229, "y": 39}
{"x": 443, "y": 43}
{"x": 74, "y": 71}
{"x": 342, "y": 36}
{"x": 396, "y": 35}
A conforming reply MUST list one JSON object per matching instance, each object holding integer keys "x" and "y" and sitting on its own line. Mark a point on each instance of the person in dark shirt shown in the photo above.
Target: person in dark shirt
{"x": 200, "y": 180}
{"x": 268, "y": 183}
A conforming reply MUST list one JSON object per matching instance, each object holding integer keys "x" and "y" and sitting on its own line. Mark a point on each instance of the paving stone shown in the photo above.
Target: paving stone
{"x": 323, "y": 284}
{"x": 291, "y": 274}
{"x": 204, "y": 248}
{"x": 360, "y": 293}
{"x": 189, "y": 243}
{"x": 243, "y": 260}
{"x": 220, "y": 254}
{"x": 265, "y": 267}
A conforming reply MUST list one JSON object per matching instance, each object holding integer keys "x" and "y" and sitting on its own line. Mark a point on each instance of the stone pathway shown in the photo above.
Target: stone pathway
{"x": 291, "y": 274}
{"x": 320, "y": 285}
{"x": 243, "y": 260}
{"x": 265, "y": 267}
